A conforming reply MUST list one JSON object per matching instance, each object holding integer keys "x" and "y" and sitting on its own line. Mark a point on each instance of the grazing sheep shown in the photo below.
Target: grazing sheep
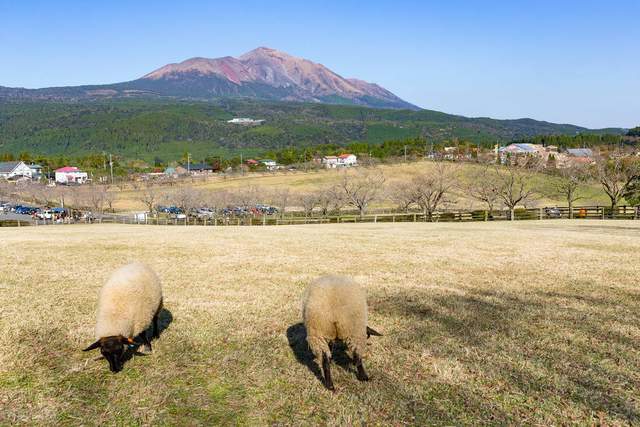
{"x": 127, "y": 304}
{"x": 335, "y": 308}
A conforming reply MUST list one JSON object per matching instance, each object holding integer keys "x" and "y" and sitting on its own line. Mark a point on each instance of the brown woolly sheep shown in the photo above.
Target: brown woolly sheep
{"x": 335, "y": 308}
{"x": 128, "y": 304}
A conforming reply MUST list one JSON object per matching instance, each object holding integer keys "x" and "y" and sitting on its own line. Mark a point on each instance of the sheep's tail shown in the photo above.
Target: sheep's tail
{"x": 371, "y": 331}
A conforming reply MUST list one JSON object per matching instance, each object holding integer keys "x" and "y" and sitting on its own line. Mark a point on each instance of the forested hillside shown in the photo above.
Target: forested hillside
{"x": 147, "y": 129}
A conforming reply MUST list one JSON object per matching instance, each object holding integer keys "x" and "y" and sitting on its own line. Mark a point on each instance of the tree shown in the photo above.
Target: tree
{"x": 569, "y": 182}
{"x": 280, "y": 198}
{"x": 431, "y": 188}
{"x": 330, "y": 199}
{"x": 150, "y": 196}
{"x": 362, "y": 188}
{"x": 308, "y": 201}
{"x": 186, "y": 198}
{"x": 513, "y": 189}
{"x": 616, "y": 175}
{"x": 403, "y": 195}
{"x": 483, "y": 187}
{"x": 632, "y": 194}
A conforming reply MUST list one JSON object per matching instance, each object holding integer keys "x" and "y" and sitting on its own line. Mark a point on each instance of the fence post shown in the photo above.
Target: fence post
{"x": 393, "y": 218}
{"x": 414, "y": 217}
{"x": 603, "y": 212}
{"x": 375, "y": 219}
{"x": 540, "y": 213}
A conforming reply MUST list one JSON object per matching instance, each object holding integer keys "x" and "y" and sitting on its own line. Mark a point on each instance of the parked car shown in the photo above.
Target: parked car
{"x": 553, "y": 212}
{"x": 204, "y": 213}
{"x": 25, "y": 210}
{"x": 44, "y": 214}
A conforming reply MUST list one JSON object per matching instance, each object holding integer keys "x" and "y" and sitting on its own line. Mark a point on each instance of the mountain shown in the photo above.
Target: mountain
{"x": 262, "y": 73}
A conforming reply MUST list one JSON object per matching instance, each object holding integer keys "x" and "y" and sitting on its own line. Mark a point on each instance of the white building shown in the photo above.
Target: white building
{"x": 269, "y": 164}
{"x": 71, "y": 175}
{"x": 330, "y": 162}
{"x": 343, "y": 160}
{"x": 245, "y": 121}
{"x": 347, "y": 160}
{"x": 14, "y": 170}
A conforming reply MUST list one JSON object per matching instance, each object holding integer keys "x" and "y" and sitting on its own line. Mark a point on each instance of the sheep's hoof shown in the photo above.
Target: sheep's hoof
{"x": 362, "y": 377}
{"x": 146, "y": 349}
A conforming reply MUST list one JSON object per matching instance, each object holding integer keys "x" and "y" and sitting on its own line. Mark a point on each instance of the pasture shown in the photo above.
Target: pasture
{"x": 128, "y": 198}
{"x": 534, "y": 322}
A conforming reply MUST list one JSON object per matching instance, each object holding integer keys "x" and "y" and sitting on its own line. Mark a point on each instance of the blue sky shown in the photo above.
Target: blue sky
{"x": 561, "y": 61}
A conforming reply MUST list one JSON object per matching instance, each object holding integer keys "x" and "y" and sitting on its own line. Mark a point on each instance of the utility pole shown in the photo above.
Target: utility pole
{"x": 111, "y": 167}
{"x": 241, "y": 165}
{"x": 405, "y": 154}
{"x": 189, "y": 163}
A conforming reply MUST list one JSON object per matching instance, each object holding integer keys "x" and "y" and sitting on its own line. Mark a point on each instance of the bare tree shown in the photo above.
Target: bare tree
{"x": 280, "y": 199}
{"x": 308, "y": 201}
{"x": 402, "y": 194}
{"x": 248, "y": 197}
{"x": 568, "y": 183}
{"x": 330, "y": 199}
{"x": 94, "y": 196}
{"x": 150, "y": 196}
{"x": 186, "y": 198}
{"x": 513, "y": 188}
{"x": 615, "y": 175}
{"x": 431, "y": 188}
{"x": 483, "y": 187}
{"x": 362, "y": 188}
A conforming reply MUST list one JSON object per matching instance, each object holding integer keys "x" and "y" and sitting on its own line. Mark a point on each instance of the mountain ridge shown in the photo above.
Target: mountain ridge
{"x": 262, "y": 73}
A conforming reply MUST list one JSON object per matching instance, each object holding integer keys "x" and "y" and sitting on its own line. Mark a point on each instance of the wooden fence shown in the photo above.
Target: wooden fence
{"x": 579, "y": 212}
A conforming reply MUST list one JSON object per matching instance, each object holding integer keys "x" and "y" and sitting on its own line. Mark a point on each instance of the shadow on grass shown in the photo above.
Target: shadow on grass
{"x": 297, "y": 337}
{"x": 527, "y": 341}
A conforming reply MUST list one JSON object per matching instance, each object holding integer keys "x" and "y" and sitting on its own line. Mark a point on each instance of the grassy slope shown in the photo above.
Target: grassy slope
{"x": 149, "y": 128}
{"x": 301, "y": 182}
{"x": 509, "y": 323}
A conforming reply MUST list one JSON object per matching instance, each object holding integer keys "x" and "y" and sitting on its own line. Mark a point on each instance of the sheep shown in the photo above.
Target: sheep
{"x": 128, "y": 304}
{"x": 335, "y": 308}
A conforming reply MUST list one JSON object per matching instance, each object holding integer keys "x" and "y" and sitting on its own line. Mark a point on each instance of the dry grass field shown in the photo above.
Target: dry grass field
{"x": 128, "y": 198}
{"x": 531, "y": 322}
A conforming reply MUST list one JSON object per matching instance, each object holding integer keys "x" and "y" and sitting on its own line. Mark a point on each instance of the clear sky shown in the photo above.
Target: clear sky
{"x": 561, "y": 61}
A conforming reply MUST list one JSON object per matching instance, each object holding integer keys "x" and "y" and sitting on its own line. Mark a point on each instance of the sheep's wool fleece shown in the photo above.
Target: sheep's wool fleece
{"x": 128, "y": 301}
{"x": 335, "y": 307}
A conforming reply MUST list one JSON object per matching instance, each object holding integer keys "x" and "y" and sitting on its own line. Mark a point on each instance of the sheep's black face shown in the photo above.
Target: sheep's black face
{"x": 113, "y": 350}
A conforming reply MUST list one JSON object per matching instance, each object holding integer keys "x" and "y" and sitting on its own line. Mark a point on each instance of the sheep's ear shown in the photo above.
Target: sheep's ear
{"x": 373, "y": 332}
{"x": 93, "y": 346}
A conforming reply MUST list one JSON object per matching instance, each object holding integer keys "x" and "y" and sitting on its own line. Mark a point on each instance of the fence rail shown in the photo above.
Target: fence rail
{"x": 577, "y": 213}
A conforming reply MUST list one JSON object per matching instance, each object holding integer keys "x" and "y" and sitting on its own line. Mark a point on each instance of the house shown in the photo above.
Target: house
{"x": 200, "y": 168}
{"x": 347, "y": 160}
{"x": 522, "y": 150}
{"x": 252, "y": 162}
{"x": 36, "y": 171}
{"x": 15, "y": 170}
{"x": 269, "y": 164}
{"x": 70, "y": 175}
{"x": 330, "y": 162}
{"x": 171, "y": 172}
{"x": 343, "y": 160}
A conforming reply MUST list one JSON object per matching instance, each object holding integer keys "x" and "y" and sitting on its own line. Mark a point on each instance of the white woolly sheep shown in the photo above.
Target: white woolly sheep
{"x": 335, "y": 308}
{"x": 128, "y": 304}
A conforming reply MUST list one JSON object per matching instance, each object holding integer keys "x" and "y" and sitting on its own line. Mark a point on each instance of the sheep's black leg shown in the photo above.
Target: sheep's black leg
{"x": 326, "y": 368}
{"x": 360, "y": 372}
{"x": 156, "y": 326}
{"x": 146, "y": 342}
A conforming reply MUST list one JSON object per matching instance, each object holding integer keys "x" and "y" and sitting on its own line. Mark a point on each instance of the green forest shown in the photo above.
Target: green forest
{"x": 149, "y": 129}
